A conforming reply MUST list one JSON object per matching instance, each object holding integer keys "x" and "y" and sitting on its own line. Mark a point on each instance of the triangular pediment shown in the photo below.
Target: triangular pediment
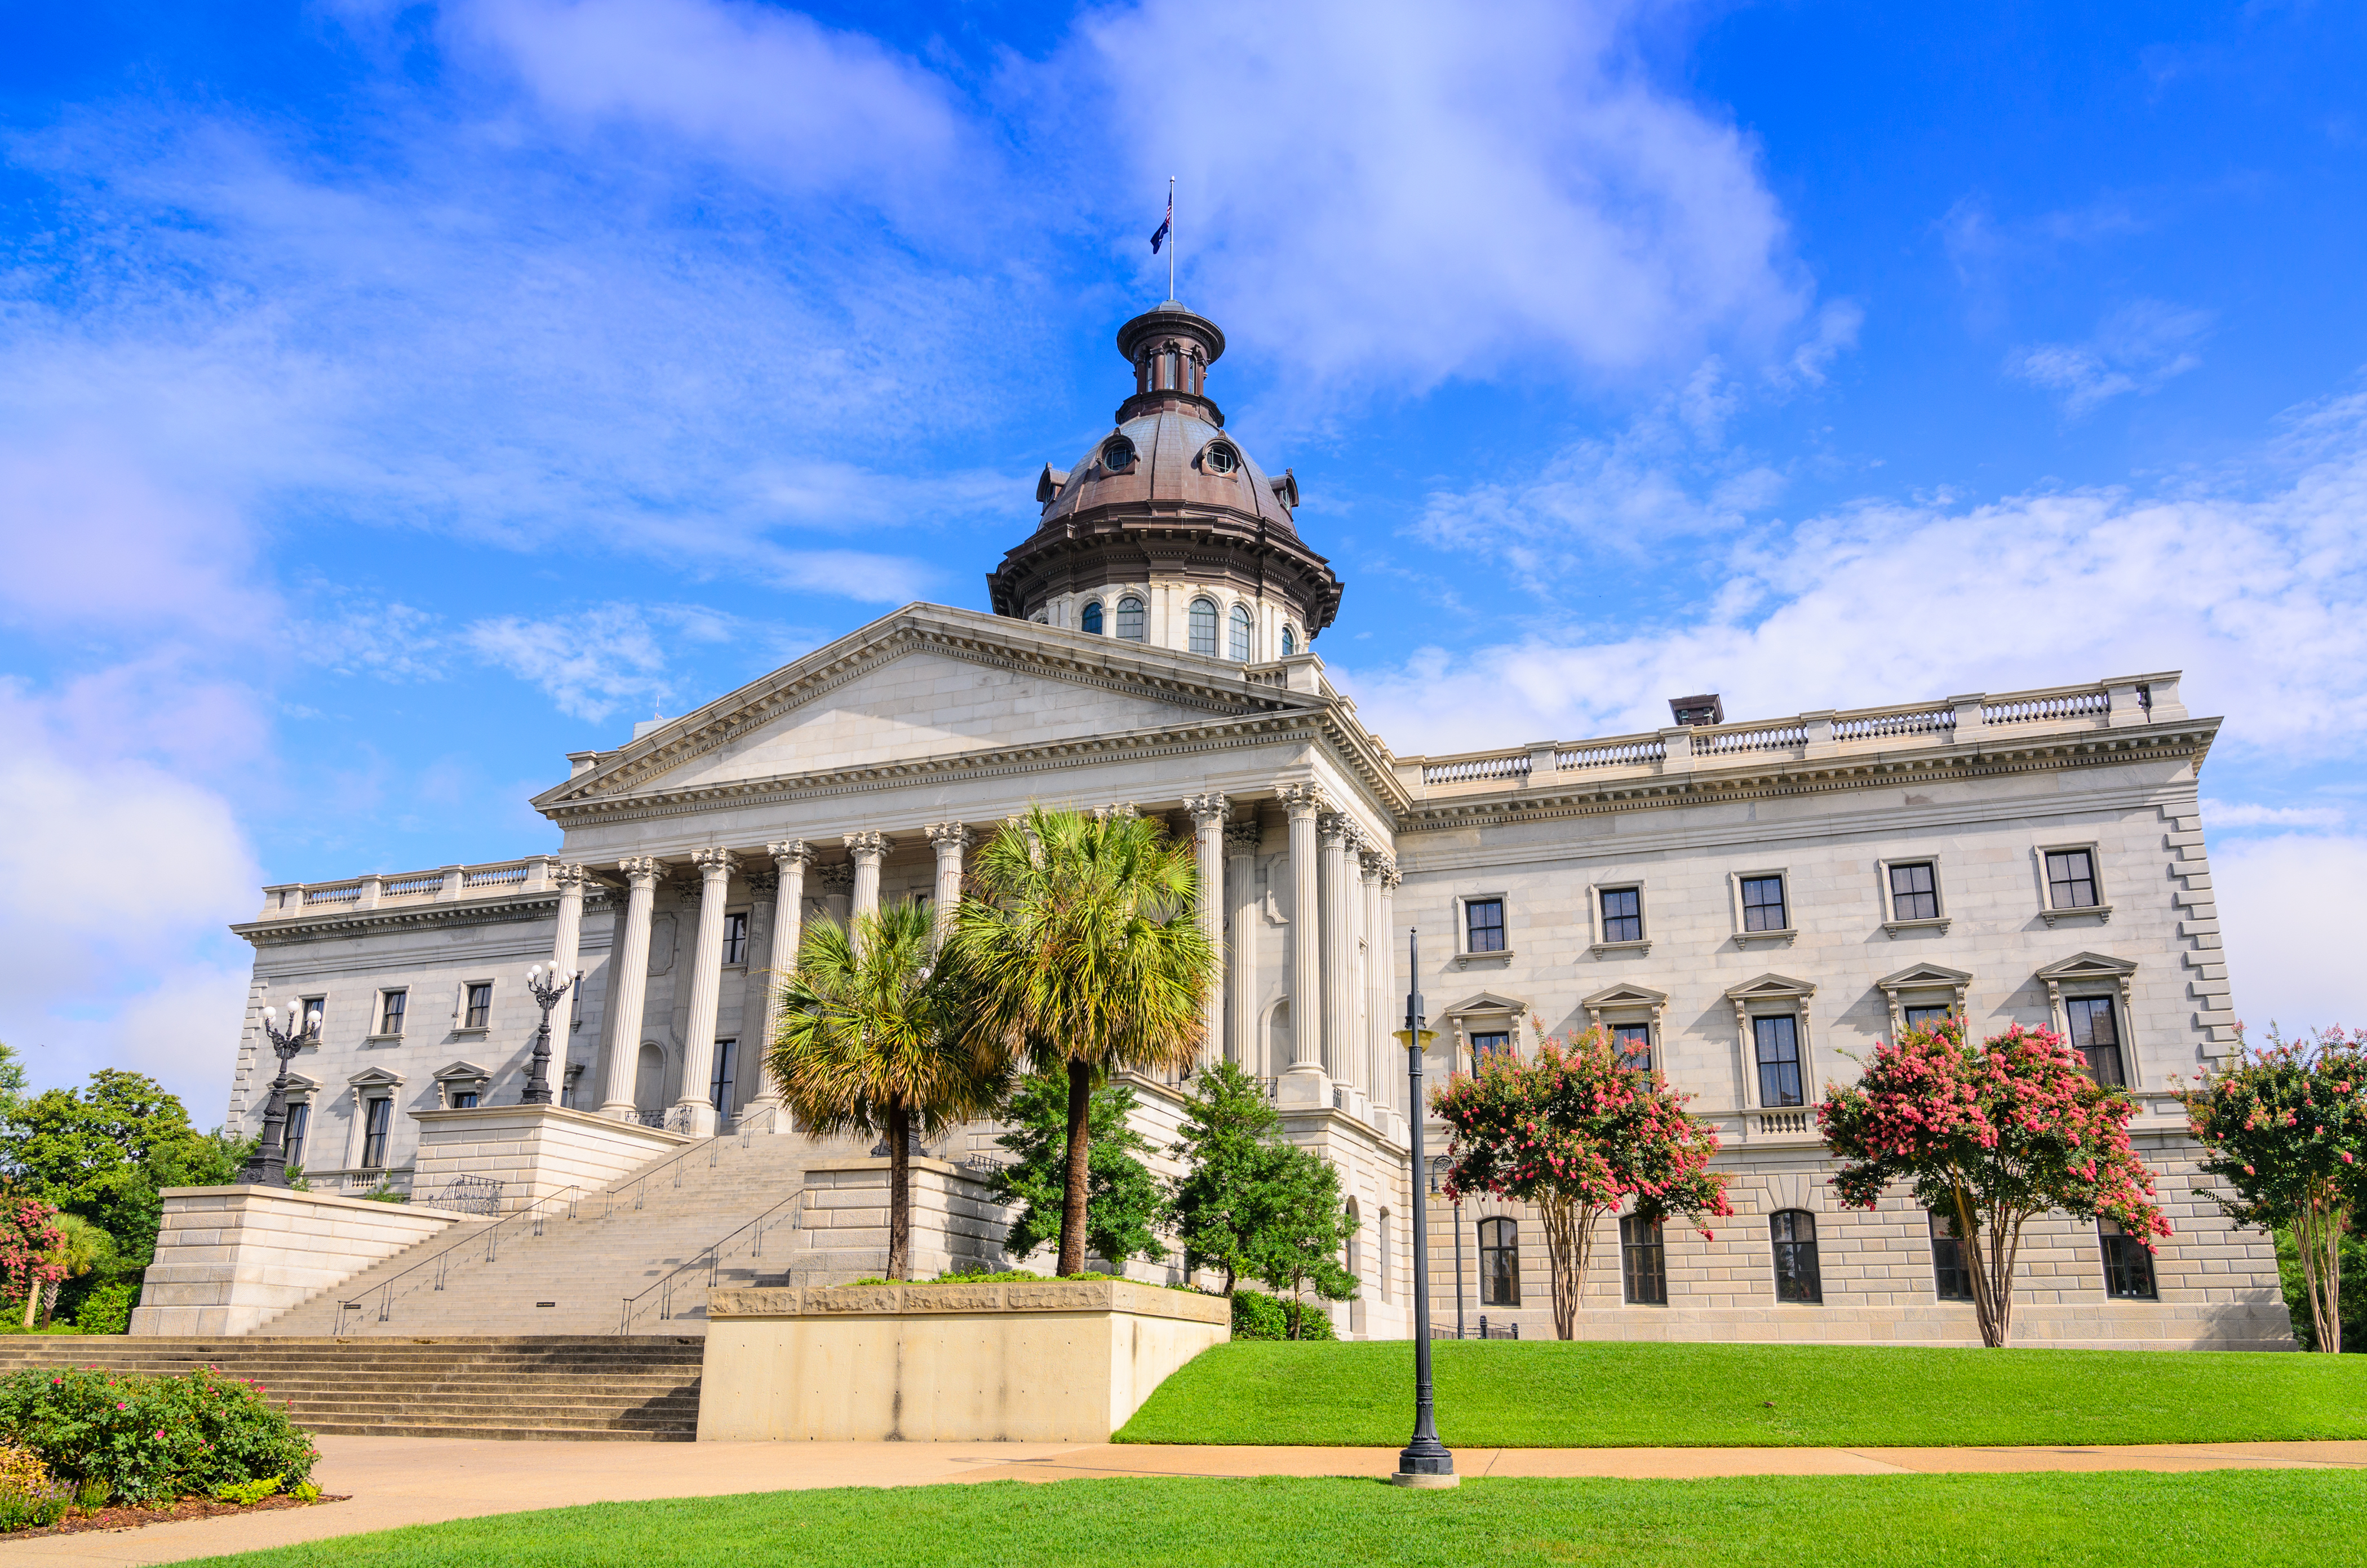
{"x": 1924, "y": 976}
{"x": 2088, "y": 966}
{"x": 376, "y": 1078}
{"x": 1627, "y": 995}
{"x": 462, "y": 1070}
{"x": 1770, "y": 987}
{"x": 1486, "y": 1002}
{"x": 914, "y": 691}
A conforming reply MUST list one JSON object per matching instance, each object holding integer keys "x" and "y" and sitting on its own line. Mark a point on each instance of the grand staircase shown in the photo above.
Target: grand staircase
{"x": 612, "y": 1389}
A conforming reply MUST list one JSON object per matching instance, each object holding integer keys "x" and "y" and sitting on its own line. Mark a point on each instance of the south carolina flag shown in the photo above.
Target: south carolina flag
{"x": 1166, "y": 226}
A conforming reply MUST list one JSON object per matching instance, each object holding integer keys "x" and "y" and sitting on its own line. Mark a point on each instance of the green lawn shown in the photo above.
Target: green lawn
{"x": 2207, "y": 1520}
{"x": 1594, "y": 1394}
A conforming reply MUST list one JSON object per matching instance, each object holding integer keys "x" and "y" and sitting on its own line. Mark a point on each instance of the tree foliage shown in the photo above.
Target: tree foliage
{"x": 1578, "y": 1133}
{"x": 1218, "y": 1205}
{"x": 1122, "y": 1198}
{"x": 2285, "y": 1127}
{"x": 1302, "y": 1231}
{"x": 30, "y": 1242}
{"x": 1988, "y": 1137}
{"x": 1080, "y": 949}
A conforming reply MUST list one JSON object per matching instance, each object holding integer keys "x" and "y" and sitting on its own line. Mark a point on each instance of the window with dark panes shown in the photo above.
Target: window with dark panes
{"x": 377, "y": 1117}
{"x": 1204, "y": 627}
{"x": 1091, "y": 619}
{"x": 2096, "y": 1036}
{"x": 1129, "y": 618}
{"x": 1762, "y": 903}
{"x": 2071, "y": 879}
{"x": 1926, "y": 1018}
{"x": 464, "y": 1099}
{"x": 313, "y": 1011}
{"x": 1483, "y": 925}
{"x": 1949, "y": 1276}
{"x": 1238, "y": 650}
{"x": 1289, "y": 642}
{"x": 1499, "y": 1262}
{"x": 719, "y": 1087}
{"x": 1622, "y": 915}
{"x": 735, "y": 938}
{"x": 481, "y": 1007}
{"x": 1634, "y": 1043}
{"x": 1914, "y": 892}
{"x": 390, "y": 1010}
{"x": 1794, "y": 1232}
{"x": 1776, "y": 1041}
{"x": 2128, "y": 1267}
{"x": 300, "y": 1121}
{"x": 1643, "y": 1262}
{"x": 1485, "y": 1045}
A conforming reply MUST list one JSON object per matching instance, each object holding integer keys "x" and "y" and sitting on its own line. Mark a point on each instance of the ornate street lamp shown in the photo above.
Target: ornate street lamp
{"x": 268, "y": 1166}
{"x": 1425, "y": 1460}
{"x": 538, "y": 1077}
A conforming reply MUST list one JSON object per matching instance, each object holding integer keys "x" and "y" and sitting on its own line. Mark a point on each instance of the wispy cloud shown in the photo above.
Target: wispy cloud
{"x": 594, "y": 662}
{"x": 2137, "y": 348}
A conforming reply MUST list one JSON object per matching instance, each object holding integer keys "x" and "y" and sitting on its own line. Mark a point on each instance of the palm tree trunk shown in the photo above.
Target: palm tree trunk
{"x": 899, "y": 1190}
{"x": 1072, "y": 1197}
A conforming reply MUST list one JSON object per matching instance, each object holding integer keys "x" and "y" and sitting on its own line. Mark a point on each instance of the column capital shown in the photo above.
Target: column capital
{"x": 1209, "y": 805}
{"x": 763, "y": 882}
{"x": 568, "y": 875}
{"x": 789, "y": 851}
{"x": 950, "y": 836}
{"x": 1243, "y": 837}
{"x": 714, "y": 861}
{"x": 837, "y": 877}
{"x": 643, "y": 870}
{"x": 1368, "y": 861}
{"x": 1304, "y": 800}
{"x": 873, "y": 844}
{"x": 1336, "y": 829}
{"x": 1117, "y": 811}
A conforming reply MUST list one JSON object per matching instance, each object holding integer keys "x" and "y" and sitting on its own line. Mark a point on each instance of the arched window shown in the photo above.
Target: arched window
{"x": 1289, "y": 642}
{"x": 1794, "y": 1234}
{"x": 1499, "y": 1262}
{"x": 1129, "y": 618}
{"x": 1240, "y": 650}
{"x": 1093, "y": 621}
{"x": 1204, "y": 627}
{"x": 1643, "y": 1262}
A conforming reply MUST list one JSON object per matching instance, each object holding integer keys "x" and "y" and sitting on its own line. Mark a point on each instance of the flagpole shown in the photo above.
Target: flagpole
{"x": 1171, "y": 237}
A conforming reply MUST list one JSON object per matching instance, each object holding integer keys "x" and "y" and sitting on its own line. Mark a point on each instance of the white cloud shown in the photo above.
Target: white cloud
{"x": 590, "y": 662}
{"x": 1412, "y": 193}
{"x": 2288, "y": 905}
{"x": 2137, "y": 348}
{"x": 2239, "y": 814}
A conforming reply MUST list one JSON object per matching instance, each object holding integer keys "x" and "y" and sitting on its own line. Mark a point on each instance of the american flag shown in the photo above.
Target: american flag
{"x": 1166, "y": 226}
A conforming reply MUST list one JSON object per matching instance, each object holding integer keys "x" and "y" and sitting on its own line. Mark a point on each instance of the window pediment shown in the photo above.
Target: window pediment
{"x": 1924, "y": 977}
{"x": 2087, "y": 966}
{"x": 1772, "y": 987}
{"x": 376, "y": 1078}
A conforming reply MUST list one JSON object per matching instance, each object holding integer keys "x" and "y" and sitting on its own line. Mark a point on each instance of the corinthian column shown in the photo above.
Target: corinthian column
{"x": 1339, "y": 1017}
{"x": 1389, "y": 1064}
{"x": 1241, "y": 985}
{"x": 868, "y": 849}
{"x": 790, "y": 862}
{"x": 630, "y": 954}
{"x": 950, "y": 839}
{"x": 705, "y": 987}
{"x": 1369, "y": 1070}
{"x": 566, "y": 942}
{"x": 1305, "y": 1083}
{"x": 1209, "y": 813}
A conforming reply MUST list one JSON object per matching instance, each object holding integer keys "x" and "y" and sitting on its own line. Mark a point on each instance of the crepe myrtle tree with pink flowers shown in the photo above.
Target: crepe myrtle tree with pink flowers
{"x": 30, "y": 1242}
{"x": 2285, "y": 1127}
{"x": 1990, "y": 1137}
{"x": 1577, "y": 1132}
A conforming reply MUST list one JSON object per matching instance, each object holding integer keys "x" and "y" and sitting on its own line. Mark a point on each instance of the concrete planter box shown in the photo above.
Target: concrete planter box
{"x": 1055, "y": 1361}
{"x": 533, "y": 1151}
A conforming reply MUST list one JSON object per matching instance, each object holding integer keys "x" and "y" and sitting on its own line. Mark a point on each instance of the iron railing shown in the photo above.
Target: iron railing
{"x": 470, "y": 1195}
{"x": 432, "y": 1272}
{"x": 710, "y": 1262}
{"x": 1484, "y": 1330}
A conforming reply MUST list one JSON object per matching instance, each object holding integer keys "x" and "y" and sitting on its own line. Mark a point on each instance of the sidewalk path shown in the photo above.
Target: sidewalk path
{"x": 415, "y": 1481}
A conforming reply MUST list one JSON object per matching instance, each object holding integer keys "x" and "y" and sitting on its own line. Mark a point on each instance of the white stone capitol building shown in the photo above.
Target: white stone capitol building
{"x": 1753, "y": 905}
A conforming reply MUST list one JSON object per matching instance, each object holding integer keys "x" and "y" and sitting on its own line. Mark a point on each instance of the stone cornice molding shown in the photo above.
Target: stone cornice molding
{"x": 502, "y": 910}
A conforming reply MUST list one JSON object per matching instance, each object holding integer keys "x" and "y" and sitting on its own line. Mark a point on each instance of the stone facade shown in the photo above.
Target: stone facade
{"x": 1623, "y": 880}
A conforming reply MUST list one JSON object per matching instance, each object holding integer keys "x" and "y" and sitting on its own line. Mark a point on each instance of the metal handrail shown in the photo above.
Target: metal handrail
{"x": 639, "y": 1185}
{"x": 713, "y": 1253}
{"x": 535, "y": 1213}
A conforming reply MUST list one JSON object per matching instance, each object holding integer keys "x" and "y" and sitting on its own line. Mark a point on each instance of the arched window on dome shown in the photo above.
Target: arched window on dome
{"x": 1289, "y": 642}
{"x": 1129, "y": 618}
{"x": 1240, "y": 650}
{"x": 1092, "y": 618}
{"x": 1204, "y": 627}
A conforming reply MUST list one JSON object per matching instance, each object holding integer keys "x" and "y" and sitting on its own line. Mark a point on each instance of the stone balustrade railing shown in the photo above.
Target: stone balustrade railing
{"x": 286, "y": 900}
{"x": 2133, "y": 700}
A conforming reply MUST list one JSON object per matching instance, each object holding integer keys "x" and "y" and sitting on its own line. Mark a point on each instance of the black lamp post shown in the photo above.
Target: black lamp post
{"x": 1437, "y": 1179}
{"x": 538, "y": 1077}
{"x": 268, "y": 1166}
{"x": 1425, "y": 1460}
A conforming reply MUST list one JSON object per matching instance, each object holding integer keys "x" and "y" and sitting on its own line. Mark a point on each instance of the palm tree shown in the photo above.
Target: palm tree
{"x": 866, "y": 1043}
{"x": 1080, "y": 947}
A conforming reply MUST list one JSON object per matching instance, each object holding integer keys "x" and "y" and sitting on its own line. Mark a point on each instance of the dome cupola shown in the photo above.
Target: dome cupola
{"x": 1165, "y": 530}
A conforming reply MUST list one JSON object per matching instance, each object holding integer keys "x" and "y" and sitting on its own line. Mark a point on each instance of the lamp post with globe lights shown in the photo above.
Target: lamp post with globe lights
{"x": 268, "y": 1166}
{"x": 549, "y": 994}
{"x": 1425, "y": 1462}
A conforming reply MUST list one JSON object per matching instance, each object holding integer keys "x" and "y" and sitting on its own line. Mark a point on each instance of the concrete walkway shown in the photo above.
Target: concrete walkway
{"x": 415, "y": 1481}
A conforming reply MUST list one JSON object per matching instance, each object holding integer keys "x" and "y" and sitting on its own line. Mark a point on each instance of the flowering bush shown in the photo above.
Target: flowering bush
{"x": 1577, "y": 1132}
{"x": 2285, "y": 1127}
{"x": 30, "y": 1241}
{"x": 1990, "y": 1137}
{"x": 150, "y": 1439}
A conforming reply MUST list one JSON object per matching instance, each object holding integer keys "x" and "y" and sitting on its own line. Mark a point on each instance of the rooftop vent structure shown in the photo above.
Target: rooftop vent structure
{"x": 1705, "y": 708}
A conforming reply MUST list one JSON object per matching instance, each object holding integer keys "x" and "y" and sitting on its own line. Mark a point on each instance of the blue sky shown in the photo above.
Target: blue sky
{"x": 394, "y": 398}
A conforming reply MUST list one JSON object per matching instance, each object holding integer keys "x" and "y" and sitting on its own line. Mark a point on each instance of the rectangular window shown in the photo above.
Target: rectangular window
{"x": 1949, "y": 1276}
{"x": 1643, "y": 1262}
{"x": 1622, "y": 915}
{"x": 1777, "y": 1042}
{"x": 481, "y": 1007}
{"x": 1762, "y": 904}
{"x": 389, "y": 1014}
{"x": 1634, "y": 1043}
{"x": 718, "y": 1090}
{"x": 307, "y": 1005}
{"x": 1914, "y": 892}
{"x": 300, "y": 1121}
{"x": 1795, "y": 1236}
{"x": 1499, "y": 1262}
{"x": 1485, "y": 1045}
{"x": 2071, "y": 879}
{"x": 464, "y": 1099}
{"x": 735, "y": 938}
{"x": 2097, "y": 1036}
{"x": 1926, "y": 1018}
{"x": 2128, "y": 1267}
{"x": 1483, "y": 925}
{"x": 377, "y": 1117}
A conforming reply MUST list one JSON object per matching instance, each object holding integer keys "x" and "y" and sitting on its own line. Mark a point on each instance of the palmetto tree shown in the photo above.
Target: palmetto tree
{"x": 1079, "y": 947}
{"x": 868, "y": 1043}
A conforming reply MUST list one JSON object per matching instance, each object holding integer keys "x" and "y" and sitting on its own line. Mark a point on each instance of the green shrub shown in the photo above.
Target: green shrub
{"x": 21, "y": 1468}
{"x": 32, "y": 1508}
{"x": 245, "y": 1492}
{"x": 108, "y": 1308}
{"x": 1257, "y": 1315}
{"x": 151, "y": 1439}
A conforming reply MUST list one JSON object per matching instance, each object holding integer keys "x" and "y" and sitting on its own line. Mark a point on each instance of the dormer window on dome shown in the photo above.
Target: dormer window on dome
{"x": 1118, "y": 454}
{"x": 1221, "y": 457}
